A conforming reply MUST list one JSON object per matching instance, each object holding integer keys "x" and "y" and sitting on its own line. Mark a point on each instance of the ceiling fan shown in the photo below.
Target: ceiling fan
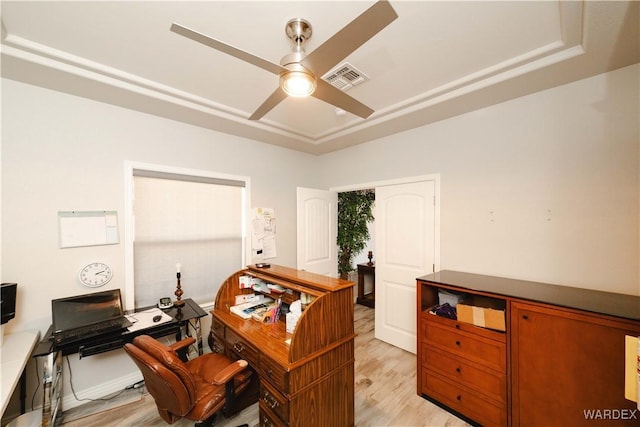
{"x": 300, "y": 72}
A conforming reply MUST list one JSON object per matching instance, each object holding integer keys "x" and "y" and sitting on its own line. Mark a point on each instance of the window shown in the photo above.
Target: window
{"x": 187, "y": 218}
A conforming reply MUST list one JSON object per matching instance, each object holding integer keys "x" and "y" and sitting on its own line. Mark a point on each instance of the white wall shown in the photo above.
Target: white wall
{"x": 543, "y": 188}
{"x": 61, "y": 153}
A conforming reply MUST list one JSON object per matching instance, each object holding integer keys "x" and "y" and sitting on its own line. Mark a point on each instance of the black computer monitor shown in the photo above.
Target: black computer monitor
{"x": 7, "y": 302}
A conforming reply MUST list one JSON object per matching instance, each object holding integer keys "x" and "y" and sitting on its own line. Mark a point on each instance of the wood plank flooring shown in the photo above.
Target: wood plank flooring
{"x": 385, "y": 393}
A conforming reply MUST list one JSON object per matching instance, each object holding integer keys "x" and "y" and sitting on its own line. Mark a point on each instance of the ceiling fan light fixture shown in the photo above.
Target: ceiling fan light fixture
{"x": 298, "y": 83}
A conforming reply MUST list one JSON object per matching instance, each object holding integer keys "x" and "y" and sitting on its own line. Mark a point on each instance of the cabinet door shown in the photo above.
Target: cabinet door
{"x": 568, "y": 367}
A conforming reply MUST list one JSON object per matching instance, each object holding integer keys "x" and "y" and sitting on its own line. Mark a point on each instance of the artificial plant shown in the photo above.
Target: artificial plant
{"x": 355, "y": 212}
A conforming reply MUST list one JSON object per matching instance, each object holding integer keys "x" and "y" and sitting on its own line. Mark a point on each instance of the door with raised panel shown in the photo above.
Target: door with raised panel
{"x": 405, "y": 250}
{"x": 317, "y": 231}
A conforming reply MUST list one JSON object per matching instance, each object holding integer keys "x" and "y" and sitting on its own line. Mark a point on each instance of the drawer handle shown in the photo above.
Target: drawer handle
{"x": 525, "y": 316}
{"x": 459, "y": 397}
{"x": 269, "y": 400}
{"x": 458, "y": 370}
{"x": 457, "y": 326}
{"x": 238, "y": 347}
{"x": 458, "y": 343}
{"x": 270, "y": 372}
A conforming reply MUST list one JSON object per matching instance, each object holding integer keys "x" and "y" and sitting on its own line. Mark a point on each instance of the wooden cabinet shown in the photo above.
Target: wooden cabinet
{"x": 304, "y": 378}
{"x": 568, "y": 366}
{"x": 560, "y": 361}
{"x": 461, "y": 365}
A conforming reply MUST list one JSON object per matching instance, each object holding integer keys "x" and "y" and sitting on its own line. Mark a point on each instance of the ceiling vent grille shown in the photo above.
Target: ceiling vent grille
{"x": 345, "y": 76}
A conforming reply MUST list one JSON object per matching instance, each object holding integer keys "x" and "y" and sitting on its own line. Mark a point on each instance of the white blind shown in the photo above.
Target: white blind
{"x": 187, "y": 220}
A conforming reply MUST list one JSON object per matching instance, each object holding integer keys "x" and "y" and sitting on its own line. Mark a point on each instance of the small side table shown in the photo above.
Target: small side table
{"x": 366, "y": 299}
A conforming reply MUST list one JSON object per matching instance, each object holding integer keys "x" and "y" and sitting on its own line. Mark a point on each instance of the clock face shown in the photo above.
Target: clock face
{"x": 95, "y": 274}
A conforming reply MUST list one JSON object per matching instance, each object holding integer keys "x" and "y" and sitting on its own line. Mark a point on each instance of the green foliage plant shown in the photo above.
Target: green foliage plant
{"x": 355, "y": 212}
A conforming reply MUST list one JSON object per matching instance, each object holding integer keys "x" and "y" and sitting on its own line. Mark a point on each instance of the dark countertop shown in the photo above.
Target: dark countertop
{"x": 619, "y": 305}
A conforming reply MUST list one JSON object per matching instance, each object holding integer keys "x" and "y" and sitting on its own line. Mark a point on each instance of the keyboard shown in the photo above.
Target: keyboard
{"x": 89, "y": 331}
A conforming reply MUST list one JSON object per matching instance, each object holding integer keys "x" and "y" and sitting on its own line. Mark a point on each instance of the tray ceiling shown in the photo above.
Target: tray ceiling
{"x": 437, "y": 60}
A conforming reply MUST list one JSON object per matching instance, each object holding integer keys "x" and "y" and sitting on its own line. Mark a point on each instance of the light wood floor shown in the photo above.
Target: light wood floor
{"x": 385, "y": 392}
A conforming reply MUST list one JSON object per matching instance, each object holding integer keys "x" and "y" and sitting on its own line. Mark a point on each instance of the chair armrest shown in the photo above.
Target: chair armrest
{"x": 183, "y": 343}
{"x": 230, "y": 371}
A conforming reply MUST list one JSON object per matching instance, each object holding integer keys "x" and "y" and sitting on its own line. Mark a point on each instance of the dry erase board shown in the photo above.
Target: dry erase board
{"x": 88, "y": 228}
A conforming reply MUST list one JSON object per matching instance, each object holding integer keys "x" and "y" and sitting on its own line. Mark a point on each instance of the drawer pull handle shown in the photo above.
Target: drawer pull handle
{"x": 270, "y": 372}
{"x": 270, "y": 401}
{"x": 459, "y": 397}
{"x": 458, "y": 370}
{"x": 458, "y": 343}
{"x": 238, "y": 347}
{"x": 457, "y": 326}
{"x": 525, "y": 316}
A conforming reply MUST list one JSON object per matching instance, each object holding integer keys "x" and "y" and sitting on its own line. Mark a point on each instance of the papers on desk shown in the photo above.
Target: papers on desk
{"x": 144, "y": 319}
{"x": 246, "y": 309}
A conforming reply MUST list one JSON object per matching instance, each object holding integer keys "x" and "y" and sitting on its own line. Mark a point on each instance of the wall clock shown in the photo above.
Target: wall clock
{"x": 95, "y": 274}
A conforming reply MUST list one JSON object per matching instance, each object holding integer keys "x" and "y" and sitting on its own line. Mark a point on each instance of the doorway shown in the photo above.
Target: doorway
{"x": 407, "y": 246}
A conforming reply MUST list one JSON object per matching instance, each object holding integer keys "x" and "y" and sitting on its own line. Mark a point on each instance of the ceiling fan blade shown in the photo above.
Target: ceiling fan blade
{"x": 351, "y": 37}
{"x": 327, "y": 93}
{"x": 228, "y": 49}
{"x": 274, "y": 99}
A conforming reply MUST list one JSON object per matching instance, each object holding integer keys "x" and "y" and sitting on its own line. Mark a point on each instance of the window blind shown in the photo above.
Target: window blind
{"x": 192, "y": 221}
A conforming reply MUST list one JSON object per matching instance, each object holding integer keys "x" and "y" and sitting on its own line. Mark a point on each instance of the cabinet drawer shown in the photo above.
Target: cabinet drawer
{"x": 275, "y": 401}
{"x": 486, "y": 381}
{"x": 467, "y": 402}
{"x": 275, "y": 373}
{"x": 241, "y": 347}
{"x": 467, "y": 345}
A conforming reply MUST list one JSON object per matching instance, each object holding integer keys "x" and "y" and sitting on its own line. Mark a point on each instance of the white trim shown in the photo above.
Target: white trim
{"x": 407, "y": 180}
{"x": 101, "y": 390}
{"x": 129, "y": 166}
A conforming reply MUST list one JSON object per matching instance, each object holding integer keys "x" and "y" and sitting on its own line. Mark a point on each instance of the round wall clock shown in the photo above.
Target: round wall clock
{"x": 95, "y": 274}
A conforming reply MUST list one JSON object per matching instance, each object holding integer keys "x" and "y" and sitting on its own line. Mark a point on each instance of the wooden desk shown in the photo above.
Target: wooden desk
{"x": 15, "y": 352}
{"x": 304, "y": 378}
{"x": 366, "y": 299}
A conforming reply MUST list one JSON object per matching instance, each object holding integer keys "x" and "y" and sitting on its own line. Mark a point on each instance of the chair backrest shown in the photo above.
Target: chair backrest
{"x": 166, "y": 377}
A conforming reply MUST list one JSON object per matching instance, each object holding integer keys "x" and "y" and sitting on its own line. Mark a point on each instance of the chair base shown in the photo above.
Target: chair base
{"x": 209, "y": 422}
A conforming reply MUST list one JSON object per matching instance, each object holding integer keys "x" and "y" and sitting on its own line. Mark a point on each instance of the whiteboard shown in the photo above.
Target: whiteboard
{"x": 88, "y": 228}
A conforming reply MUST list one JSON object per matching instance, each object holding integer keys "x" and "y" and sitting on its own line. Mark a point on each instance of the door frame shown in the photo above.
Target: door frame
{"x": 407, "y": 180}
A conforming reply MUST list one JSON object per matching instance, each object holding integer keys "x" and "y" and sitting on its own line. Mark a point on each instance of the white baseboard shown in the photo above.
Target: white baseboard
{"x": 101, "y": 390}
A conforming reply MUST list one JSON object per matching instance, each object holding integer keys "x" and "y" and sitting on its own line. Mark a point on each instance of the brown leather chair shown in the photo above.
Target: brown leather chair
{"x": 198, "y": 389}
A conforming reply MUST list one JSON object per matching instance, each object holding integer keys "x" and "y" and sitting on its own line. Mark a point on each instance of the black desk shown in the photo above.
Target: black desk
{"x": 185, "y": 320}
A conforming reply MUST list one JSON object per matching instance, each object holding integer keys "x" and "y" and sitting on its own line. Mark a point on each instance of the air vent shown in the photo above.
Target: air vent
{"x": 345, "y": 76}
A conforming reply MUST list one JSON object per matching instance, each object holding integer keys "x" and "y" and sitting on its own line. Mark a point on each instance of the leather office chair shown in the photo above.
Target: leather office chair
{"x": 198, "y": 389}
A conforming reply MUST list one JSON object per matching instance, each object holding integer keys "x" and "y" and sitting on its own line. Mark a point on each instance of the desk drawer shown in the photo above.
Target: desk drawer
{"x": 486, "y": 381}
{"x": 275, "y": 373}
{"x": 469, "y": 346}
{"x": 268, "y": 419}
{"x": 217, "y": 327}
{"x": 241, "y": 348}
{"x": 275, "y": 401}
{"x": 217, "y": 344}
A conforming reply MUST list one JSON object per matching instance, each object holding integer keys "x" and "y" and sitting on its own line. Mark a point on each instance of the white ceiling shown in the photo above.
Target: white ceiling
{"x": 437, "y": 60}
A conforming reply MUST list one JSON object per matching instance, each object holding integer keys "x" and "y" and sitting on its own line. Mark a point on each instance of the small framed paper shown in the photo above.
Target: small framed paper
{"x": 88, "y": 228}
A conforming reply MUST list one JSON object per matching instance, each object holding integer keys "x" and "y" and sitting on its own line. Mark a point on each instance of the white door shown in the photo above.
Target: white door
{"x": 317, "y": 231}
{"x": 405, "y": 250}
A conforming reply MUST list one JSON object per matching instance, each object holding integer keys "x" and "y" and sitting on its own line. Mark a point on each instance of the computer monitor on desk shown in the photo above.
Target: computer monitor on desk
{"x": 7, "y": 302}
{"x": 81, "y": 317}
